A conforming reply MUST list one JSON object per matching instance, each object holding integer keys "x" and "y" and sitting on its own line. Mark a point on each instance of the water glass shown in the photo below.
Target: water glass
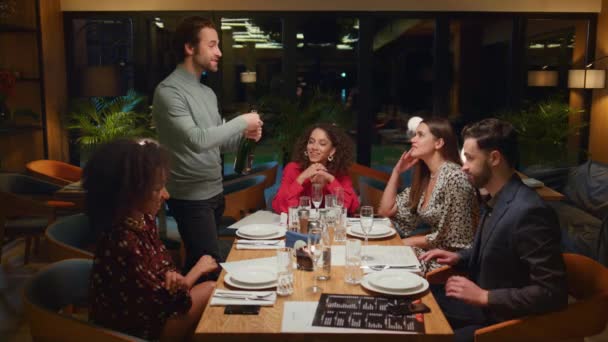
{"x": 353, "y": 272}
{"x": 330, "y": 201}
{"x": 305, "y": 202}
{"x": 315, "y": 248}
{"x": 340, "y": 231}
{"x": 285, "y": 277}
{"x": 367, "y": 222}
{"x": 339, "y": 193}
{"x": 294, "y": 222}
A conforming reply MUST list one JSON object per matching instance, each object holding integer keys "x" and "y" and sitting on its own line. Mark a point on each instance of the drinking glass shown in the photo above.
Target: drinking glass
{"x": 285, "y": 276}
{"x": 367, "y": 222}
{"x": 340, "y": 230}
{"x": 317, "y": 196}
{"x": 294, "y": 223}
{"x": 315, "y": 248}
{"x": 305, "y": 202}
{"x": 330, "y": 201}
{"x": 353, "y": 272}
{"x": 339, "y": 193}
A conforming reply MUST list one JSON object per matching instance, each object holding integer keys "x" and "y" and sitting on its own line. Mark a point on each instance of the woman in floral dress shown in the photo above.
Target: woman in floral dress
{"x": 135, "y": 288}
{"x": 440, "y": 197}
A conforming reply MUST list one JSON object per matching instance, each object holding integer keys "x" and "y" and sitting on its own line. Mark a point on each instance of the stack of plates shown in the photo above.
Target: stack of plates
{"x": 379, "y": 230}
{"x": 252, "y": 278}
{"x": 395, "y": 282}
{"x": 260, "y": 231}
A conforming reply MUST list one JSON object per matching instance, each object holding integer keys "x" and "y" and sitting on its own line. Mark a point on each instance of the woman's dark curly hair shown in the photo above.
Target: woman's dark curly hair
{"x": 343, "y": 157}
{"x": 118, "y": 176}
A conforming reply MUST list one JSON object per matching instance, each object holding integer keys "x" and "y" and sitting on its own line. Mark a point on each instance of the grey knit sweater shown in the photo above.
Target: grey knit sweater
{"x": 190, "y": 127}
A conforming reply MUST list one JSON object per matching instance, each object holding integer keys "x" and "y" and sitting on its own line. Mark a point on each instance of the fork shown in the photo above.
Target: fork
{"x": 249, "y": 296}
{"x": 259, "y": 242}
{"x": 385, "y": 267}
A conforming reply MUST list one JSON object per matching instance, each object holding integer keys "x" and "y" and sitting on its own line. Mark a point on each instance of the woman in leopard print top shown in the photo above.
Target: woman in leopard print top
{"x": 440, "y": 197}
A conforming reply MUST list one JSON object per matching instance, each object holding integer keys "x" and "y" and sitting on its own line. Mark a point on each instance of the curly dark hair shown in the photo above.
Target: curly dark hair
{"x": 343, "y": 157}
{"x": 120, "y": 174}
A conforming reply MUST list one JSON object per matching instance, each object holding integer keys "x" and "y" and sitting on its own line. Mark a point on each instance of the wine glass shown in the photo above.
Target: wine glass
{"x": 315, "y": 248}
{"x": 367, "y": 222}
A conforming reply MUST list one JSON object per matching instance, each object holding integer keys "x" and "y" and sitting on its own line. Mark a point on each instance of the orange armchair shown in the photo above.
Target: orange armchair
{"x": 587, "y": 316}
{"x": 54, "y": 171}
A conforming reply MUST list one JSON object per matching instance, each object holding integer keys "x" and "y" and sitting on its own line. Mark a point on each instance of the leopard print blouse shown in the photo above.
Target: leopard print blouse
{"x": 452, "y": 212}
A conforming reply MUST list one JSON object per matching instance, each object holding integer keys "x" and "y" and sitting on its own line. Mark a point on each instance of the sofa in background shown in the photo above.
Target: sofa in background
{"x": 583, "y": 215}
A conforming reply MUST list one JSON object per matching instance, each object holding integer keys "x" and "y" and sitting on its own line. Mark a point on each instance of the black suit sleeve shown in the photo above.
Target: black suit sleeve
{"x": 537, "y": 244}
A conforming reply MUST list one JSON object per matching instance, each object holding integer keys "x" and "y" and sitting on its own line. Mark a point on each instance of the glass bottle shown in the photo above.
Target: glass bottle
{"x": 243, "y": 160}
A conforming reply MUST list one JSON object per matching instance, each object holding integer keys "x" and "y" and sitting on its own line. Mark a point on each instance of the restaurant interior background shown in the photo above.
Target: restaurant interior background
{"x": 366, "y": 70}
{"x": 374, "y": 71}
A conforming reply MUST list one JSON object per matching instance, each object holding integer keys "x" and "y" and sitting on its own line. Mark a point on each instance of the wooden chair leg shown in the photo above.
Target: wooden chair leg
{"x": 36, "y": 245}
{"x": 28, "y": 244}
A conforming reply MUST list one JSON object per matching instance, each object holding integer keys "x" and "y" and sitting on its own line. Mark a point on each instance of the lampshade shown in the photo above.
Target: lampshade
{"x": 100, "y": 80}
{"x": 542, "y": 78}
{"x": 587, "y": 78}
{"x": 248, "y": 77}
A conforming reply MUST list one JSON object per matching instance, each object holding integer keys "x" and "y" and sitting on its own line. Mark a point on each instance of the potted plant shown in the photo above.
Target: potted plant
{"x": 99, "y": 120}
{"x": 543, "y": 130}
{"x": 286, "y": 120}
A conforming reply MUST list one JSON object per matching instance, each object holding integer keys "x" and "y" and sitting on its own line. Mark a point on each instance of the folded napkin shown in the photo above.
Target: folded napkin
{"x": 291, "y": 237}
{"x": 259, "y": 244}
{"x": 228, "y": 297}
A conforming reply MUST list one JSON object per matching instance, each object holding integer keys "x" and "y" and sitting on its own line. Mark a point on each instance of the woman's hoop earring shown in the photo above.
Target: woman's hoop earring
{"x": 305, "y": 154}
{"x": 330, "y": 158}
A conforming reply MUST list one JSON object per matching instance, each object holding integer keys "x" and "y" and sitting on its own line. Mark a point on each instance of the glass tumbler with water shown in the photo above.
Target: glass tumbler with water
{"x": 352, "y": 271}
{"x": 285, "y": 278}
{"x": 367, "y": 222}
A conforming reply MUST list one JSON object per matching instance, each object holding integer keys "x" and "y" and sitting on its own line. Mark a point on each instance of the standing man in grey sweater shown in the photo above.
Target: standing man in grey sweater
{"x": 190, "y": 127}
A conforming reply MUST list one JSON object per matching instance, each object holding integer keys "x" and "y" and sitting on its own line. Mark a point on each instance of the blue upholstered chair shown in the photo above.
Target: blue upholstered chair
{"x": 70, "y": 237}
{"x": 51, "y": 297}
{"x": 268, "y": 169}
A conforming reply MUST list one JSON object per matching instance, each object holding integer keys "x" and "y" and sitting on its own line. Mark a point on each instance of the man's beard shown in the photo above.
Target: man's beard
{"x": 482, "y": 179}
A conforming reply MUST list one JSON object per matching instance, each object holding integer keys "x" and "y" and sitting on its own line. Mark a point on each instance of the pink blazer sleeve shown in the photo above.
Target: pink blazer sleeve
{"x": 290, "y": 190}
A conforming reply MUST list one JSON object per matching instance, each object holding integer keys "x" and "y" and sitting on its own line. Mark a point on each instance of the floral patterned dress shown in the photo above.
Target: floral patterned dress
{"x": 452, "y": 212}
{"x": 126, "y": 289}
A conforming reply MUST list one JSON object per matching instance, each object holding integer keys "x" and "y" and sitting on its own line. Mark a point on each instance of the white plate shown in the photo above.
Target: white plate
{"x": 395, "y": 280}
{"x": 280, "y": 234}
{"x": 533, "y": 183}
{"x": 377, "y": 229}
{"x": 255, "y": 276}
{"x": 234, "y": 283}
{"x": 419, "y": 289}
{"x": 259, "y": 230}
{"x": 390, "y": 233}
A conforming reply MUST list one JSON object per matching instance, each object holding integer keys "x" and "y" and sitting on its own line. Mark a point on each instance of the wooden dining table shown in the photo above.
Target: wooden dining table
{"x": 266, "y": 326}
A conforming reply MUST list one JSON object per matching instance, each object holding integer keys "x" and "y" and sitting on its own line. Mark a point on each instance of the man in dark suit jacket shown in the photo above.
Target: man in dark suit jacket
{"x": 515, "y": 264}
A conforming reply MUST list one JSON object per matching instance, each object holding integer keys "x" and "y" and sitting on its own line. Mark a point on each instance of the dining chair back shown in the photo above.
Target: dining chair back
{"x": 70, "y": 237}
{"x": 371, "y": 191}
{"x": 244, "y": 195}
{"x": 54, "y": 171}
{"x": 52, "y": 298}
{"x": 357, "y": 170}
{"x": 268, "y": 169}
{"x": 21, "y": 214}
